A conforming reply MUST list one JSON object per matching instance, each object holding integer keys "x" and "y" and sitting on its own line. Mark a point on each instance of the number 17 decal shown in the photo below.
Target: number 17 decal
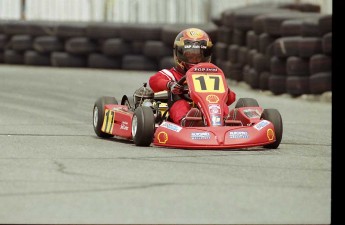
{"x": 108, "y": 121}
{"x": 208, "y": 83}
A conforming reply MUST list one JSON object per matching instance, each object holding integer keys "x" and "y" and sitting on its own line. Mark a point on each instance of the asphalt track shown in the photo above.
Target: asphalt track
{"x": 53, "y": 168}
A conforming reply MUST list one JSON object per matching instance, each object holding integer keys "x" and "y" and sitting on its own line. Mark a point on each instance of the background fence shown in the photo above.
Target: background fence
{"x": 130, "y": 11}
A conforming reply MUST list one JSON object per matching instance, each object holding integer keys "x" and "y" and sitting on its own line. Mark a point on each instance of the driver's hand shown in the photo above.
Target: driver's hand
{"x": 175, "y": 88}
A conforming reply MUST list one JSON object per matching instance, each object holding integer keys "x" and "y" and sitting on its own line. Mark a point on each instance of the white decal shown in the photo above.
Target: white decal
{"x": 261, "y": 124}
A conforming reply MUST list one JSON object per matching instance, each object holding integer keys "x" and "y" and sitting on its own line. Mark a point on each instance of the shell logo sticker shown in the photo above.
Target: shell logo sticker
{"x": 270, "y": 134}
{"x": 162, "y": 137}
{"x": 212, "y": 98}
{"x": 194, "y": 33}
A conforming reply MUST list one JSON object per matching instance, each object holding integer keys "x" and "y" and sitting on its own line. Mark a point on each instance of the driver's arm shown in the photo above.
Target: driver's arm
{"x": 158, "y": 82}
{"x": 231, "y": 97}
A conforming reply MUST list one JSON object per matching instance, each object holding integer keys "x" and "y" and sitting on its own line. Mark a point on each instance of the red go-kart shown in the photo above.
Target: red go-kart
{"x": 146, "y": 121}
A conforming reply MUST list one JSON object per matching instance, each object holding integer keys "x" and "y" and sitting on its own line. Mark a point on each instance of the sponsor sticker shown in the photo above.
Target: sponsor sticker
{"x": 215, "y": 120}
{"x": 251, "y": 113}
{"x": 261, "y": 124}
{"x": 205, "y": 69}
{"x": 162, "y": 137}
{"x": 238, "y": 134}
{"x": 200, "y": 135}
{"x": 124, "y": 125}
{"x": 270, "y": 134}
{"x": 212, "y": 98}
{"x": 171, "y": 126}
{"x": 214, "y": 108}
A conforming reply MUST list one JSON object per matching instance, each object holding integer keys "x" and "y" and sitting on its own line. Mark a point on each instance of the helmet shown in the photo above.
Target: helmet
{"x": 142, "y": 94}
{"x": 191, "y": 46}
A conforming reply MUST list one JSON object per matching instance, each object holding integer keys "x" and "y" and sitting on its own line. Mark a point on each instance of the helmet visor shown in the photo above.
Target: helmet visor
{"x": 194, "y": 52}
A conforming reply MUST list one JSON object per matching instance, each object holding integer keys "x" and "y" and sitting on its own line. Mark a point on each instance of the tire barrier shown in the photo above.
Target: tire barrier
{"x": 282, "y": 48}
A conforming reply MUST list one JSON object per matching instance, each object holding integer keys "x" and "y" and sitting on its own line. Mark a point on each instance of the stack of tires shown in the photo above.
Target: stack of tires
{"x": 280, "y": 48}
{"x": 95, "y": 44}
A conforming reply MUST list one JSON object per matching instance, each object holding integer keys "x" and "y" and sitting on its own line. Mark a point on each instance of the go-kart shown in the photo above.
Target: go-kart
{"x": 147, "y": 121}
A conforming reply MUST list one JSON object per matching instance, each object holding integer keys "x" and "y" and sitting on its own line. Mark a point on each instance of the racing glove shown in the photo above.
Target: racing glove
{"x": 175, "y": 88}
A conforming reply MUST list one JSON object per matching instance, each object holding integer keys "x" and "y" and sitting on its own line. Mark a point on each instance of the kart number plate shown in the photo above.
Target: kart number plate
{"x": 208, "y": 83}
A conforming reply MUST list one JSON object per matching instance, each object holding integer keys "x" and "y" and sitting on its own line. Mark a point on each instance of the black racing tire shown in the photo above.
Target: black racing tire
{"x": 225, "y": 34}
{"x": 98, "y": 60}
{"x": 65, "y": 59}
{"x": 235, "y": 72}
{"x": 310, "y": 27}
{"x": 141, "y": 32}
{"x": 239, "y": 37}
{"x": 277, "y": 84}
{"x": 263, "y": 80}
{"x": 13, "y": 57}
{"x": 80, "y": 46}
{"x": 100, "y": 30}
{"x": 297, "y": 86}
{"x": 242, "y": 55}
{"x": 252, "y": 78}
{"x": 297, "y": 66}
{"x": 36, "y": 58}
{"x": 21, "y": 42}
{"x": 252, "y": 40}
{"x": 325, "y": 24}
{"x": 3, "y": 41}
{"x": 116, "y": 47}
{"x": 246, "y": 102}
{"x": 327, "y": 44}
{"x": 232, "y": 53}
{"x": 71, "y": 29}
{"x": 265, "y": 40}
{"x": 128, "y": 101}
{"x": 320, "y": 82}
{"x": 274, "y": 117}
{"x": 286, "y": 46}
{"x": 261, "y": 62}
{"x": 221, "y": 50}
{"x": 309, "y": 46}
{"x": 320, "y": 63}
{"x": 143, "y": 126}
{"x": 98, "y": 115}
{"x": 166, "y": 62}
{"x": 47, "y": 44}
{"x": 278, "y": 65}
{"x": 290, "y": 28}
{"x": 156, "y": 49}
{"x": 138, "y": 62}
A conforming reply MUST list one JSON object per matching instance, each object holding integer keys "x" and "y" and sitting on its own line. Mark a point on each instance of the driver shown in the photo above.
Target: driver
{"x": 191, "y": 46}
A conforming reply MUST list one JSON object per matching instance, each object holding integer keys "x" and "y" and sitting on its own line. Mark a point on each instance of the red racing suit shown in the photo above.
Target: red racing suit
{"x": 179, "y": 109}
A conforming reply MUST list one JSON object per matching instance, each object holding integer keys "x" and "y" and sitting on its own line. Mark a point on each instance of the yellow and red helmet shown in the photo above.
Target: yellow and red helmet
{"x": 191, "y": 46}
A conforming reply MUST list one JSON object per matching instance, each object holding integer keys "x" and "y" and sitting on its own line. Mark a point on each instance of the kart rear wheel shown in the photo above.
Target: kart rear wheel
{"x": 128, "y": 101}
{"x": 274, "y": 117}
{"x": 98, "y": 115}
{"x": 143, "y": 126}
{"x": 246, "y": 102}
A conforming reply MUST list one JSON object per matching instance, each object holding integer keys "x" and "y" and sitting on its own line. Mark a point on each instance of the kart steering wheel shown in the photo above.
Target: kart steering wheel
{"x": 185, "y": 95}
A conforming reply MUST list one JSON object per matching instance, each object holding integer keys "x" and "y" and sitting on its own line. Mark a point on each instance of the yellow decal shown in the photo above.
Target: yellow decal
{"x": 108, "y": 122}
{"x": 212, "y": 98}
{"x": 162, "y": 137}
{"x": 208, "y": 83}
{"x": 194, "y": 33}
{"x": 270, "y": 134}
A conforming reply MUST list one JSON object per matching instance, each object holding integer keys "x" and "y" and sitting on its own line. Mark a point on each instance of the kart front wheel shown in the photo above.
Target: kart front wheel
{"x": 274, "y": 117}
{"x": 143, "y": 126}
{"x": 98, "y": 115}
{"x": 246, "y": 102}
